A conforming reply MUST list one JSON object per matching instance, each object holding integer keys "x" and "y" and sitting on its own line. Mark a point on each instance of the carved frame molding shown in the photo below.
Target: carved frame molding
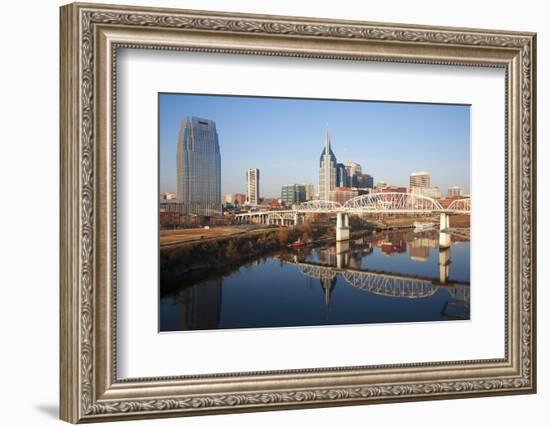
{"x": 90, "y": 37}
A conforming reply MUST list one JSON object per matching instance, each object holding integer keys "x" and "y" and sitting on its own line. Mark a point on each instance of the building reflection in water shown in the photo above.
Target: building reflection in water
{"x": 419, "y": 248}
{"x": 327, "y": 284}
{"x": 348, "y": 254}
{"x": 200, "y": 305}
{"x": 403, "y": 266}
{"x": 341, "y": 256}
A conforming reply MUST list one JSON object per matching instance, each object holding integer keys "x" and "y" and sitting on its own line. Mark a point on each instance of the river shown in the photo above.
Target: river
{"x": 385, "y": 278}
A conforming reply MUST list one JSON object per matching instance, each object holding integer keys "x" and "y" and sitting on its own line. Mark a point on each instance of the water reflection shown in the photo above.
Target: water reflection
{"x": 391, "y": 277}
{"x": 199, "y": 306}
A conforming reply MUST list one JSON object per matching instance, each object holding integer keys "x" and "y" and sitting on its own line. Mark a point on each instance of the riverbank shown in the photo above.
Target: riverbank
{"x": 186, "y": 254}
{"x": 289, "y": 287}
{"x": 184, "y": 236}
{"x": 223, "y": 252}
{"x": 389, "y": 223}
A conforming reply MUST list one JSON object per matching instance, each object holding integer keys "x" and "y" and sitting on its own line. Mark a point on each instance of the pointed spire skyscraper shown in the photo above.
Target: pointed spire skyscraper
{"x": 327, "y": 170}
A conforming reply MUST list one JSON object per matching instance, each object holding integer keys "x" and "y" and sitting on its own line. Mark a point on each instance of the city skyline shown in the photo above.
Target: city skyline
{"x": 283, "y": 138}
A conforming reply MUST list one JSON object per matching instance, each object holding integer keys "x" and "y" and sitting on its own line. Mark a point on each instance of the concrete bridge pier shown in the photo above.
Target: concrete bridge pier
{"x": 342, "y": 254}
{"x": 444, "y": 235}
{"x": 444, "y": 262}
{"x": 342, "y": 227}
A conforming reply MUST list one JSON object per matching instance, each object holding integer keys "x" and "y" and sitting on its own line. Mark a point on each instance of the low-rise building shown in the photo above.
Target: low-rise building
{"x": 342, "y": 194}
{"x": 392, "y": 189}
{"x": 234, "y": 199}
{"x": 432, "y": 192}
{"x": 293, "y": 194}
{"x": 167, "y": 197}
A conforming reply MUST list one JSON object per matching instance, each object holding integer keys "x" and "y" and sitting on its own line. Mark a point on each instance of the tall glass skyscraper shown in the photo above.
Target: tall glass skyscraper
{"x": 341, "y": 176}
{"x": 327, "y": 170}
{"x": 198, "y": 167}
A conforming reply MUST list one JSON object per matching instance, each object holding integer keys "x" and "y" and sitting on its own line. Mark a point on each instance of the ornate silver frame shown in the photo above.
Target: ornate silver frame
{"x": 90, "y": 36}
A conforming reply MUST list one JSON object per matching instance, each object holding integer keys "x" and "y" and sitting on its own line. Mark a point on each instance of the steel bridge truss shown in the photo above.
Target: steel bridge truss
{"x": 378, "y": 203}
{"x": 393, "y": 203}
{"x": 385, "y": 284}
{"x": 462, "y": 205}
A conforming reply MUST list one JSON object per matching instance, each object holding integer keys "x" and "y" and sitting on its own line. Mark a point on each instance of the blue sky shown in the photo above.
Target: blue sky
{"x": 284, "y": 139}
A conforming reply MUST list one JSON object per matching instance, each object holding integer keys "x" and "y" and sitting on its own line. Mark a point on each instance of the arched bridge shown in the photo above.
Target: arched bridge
{"x": 377, "y": 203}
{"x": 395, "y": 203}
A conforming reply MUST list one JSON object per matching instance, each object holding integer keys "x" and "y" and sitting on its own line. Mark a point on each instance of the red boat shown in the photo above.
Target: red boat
{"x": 297, "y": 244}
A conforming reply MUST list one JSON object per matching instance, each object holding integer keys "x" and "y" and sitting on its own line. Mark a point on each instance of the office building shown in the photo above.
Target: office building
{"x": 381, "y": 184}
{"x": 455, "y": 191}
{"x": 198, "y": 167}
{"x": 252, "y": 186}
{"x": 310, "y": 191}
{"x": 293, "y": 194}
{"x": 419, "y": 180}
{"x": 327, "y": 170}
{"x": 234, "y": 199}
{"x": 363, "y": 181}
{"x": 353, "y": 169}
{"x": 341, "y": 176}
{"x": 432, "y": 192}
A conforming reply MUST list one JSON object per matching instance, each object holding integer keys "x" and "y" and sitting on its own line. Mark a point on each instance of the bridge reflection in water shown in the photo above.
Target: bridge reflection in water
{"x": 390, "y": 277}
{"x": 339, "y": 261}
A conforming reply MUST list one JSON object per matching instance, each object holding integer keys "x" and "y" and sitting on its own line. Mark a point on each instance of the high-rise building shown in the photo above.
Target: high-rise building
{"x": 419, "y": 179}
{"x": 381, "y": 184}
{"x": 419, "y": 183}
{"x": 341, "y": 176}
{"x": 293, "y": 194}
{"x": 353, "y": 169}
{"x": 364, "y": 180}
{"x": 327, "y": 170}
{"x": 253, "y": 186}
{"x": 310, "y": 191}
{"x": 455, "y": 191}
{"x": 198, "y": 167}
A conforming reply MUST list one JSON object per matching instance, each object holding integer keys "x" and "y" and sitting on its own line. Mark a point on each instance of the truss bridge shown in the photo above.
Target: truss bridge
{"x": 384, "y": 283}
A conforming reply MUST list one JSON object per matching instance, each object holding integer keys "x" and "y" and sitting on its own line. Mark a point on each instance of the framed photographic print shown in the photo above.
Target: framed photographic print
{"x": 266, "y": 212}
